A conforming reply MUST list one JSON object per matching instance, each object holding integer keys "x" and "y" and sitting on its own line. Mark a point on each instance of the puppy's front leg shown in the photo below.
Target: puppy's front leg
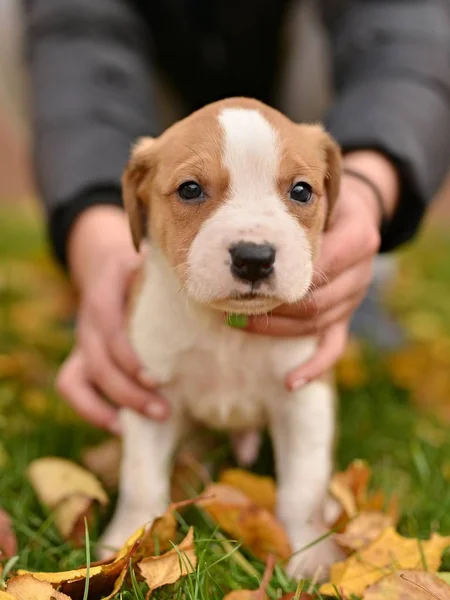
{"x": 147, "y": 449}
{"x": 302, "y": 430}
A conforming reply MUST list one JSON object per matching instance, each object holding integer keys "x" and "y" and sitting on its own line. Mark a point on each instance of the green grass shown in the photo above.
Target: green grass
{"x": 409, "y": 451}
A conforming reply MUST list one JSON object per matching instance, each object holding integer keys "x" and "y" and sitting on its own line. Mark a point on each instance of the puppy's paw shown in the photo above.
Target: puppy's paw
{"x": 313, "y": 556}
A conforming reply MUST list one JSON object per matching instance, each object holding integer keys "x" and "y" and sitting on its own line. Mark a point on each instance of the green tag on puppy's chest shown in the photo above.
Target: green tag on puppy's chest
{"x": 238, "y": 321}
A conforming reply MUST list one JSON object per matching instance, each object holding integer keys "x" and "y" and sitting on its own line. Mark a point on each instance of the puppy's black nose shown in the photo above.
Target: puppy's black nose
{"x": 252, "y": 262}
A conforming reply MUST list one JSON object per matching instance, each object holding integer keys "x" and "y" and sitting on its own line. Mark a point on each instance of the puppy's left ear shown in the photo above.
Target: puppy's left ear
{"x": 135, "y": 201}
{"x": 333, "y": 159}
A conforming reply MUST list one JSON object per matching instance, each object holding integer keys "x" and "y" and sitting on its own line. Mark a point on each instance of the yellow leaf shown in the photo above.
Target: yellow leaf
{"x": 411, "y": 585}
{"x": 171, "y": 566}
{"x": 55, "y": 479}
{"x": 261, "y": 490}
{"x": 69, "y": 490}
{"x": 6, "y": 596}
{"x": 236, "y": 514}
{"x": 104, "y": 461}
{"x": 389, "y": 552}
{"x": 26, "y": 587}
{"x": 349, "y": 487}
{"x": 364, "y": 529}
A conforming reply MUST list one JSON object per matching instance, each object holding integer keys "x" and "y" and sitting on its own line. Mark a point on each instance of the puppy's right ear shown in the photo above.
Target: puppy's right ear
{"x": 135, "y": 201}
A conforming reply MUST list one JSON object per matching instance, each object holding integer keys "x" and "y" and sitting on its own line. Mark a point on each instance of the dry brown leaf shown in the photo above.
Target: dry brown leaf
{"x": 241, "y": 595}
{"x": 104, "y": 461}
{"x": 389, "y": 552}
{"x": 8, "y": 542}
{"x": 411, "y": 585}
{"x": 104, "y": 580}
{"x": 364, "y": 529}
{"x": 349, "y": 487}
{"x": 171, "y": 566}
{"x": 261, "y": 490}
{"x": 236, "y": 514}
{"x": 68, "y": 489}
{"x": 27, "y": 587}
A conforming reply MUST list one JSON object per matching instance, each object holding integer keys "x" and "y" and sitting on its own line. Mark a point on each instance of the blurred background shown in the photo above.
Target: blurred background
{"x": 395, "y": 405}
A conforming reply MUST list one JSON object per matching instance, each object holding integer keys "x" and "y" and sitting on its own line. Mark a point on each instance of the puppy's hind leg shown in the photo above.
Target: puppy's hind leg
{"x": 144, "y": 490}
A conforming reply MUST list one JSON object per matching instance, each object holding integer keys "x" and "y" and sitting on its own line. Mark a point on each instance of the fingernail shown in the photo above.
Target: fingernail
{"x": 237, "y": 321}
{"x": 297, "y": 384}
{"x": 155, "y": 411}
{"x": 146, "y": 379}
{"x": 114, "y": 428}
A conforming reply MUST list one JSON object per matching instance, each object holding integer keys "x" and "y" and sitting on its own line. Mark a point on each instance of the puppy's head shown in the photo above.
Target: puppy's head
{"x": 235, "y": 196}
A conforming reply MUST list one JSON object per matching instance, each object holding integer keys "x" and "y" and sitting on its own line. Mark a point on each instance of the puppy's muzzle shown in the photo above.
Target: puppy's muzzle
{"x": 252, "y": 262}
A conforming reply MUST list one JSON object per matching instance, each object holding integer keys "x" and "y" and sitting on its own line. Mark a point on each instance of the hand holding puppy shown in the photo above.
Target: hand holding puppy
{"x": 103, "y": 260}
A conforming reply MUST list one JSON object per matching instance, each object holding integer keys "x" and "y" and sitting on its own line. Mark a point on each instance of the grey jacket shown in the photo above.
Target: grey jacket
{"x": 92, "y": 67}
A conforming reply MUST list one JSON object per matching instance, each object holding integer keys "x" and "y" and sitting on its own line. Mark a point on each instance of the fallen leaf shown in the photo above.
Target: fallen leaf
{"x": 261, "y": 490}
{"x": 6, "y": 596}
{"x": 8, "y": 542}
{"x": 411, "y": 585}
{"x": 389, "y": 552}
{"x": 242, "y": 519}
{"x": 104, "y": 580}
{"x": 171, "y": 566}
{"x": 69, "y": 490}
{"x": 349, "y": 487}
{"x": 103, "y": 460}
{"x": 364, "y": 529}
{"x": 27, "y": 587}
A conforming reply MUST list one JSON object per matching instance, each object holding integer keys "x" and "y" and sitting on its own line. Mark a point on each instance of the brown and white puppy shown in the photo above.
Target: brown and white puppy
{"x": 233, "y": 201}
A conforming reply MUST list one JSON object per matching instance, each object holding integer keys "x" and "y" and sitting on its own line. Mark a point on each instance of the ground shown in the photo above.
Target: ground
{"x": 394, "y": 408}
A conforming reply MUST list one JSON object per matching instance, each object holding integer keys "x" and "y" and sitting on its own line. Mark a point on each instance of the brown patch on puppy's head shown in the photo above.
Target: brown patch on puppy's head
{"x": 234, "y": 197}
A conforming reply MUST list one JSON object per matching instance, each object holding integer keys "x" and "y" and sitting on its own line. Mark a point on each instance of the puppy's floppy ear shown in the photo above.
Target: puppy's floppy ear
{"x": 134, "y": 200}
{"x": 333, "y": 159}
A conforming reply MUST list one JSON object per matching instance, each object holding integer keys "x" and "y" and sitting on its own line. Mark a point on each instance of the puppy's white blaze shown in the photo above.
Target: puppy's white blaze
{"x": 251, "y": 154}
{"x": 253, "y": 211}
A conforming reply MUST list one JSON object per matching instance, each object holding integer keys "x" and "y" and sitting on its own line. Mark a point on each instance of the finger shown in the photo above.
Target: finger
{"x": 330, "y": 349}
{"x": 117, "y": 386}
{"x": 351, "y": 284}
{"x": 73, "y": 385}
{"x": 274, "y": 325}
{"x": 344, "y": 245}
{"x": 328, "y": 318}
{"x": 106, "y": 307}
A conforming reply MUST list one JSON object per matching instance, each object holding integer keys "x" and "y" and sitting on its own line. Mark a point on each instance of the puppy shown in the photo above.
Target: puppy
{"x": 233, "y": 201}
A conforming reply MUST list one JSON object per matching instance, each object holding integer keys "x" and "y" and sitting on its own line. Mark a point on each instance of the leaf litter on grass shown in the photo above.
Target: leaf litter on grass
{"x": 34, "y": 333}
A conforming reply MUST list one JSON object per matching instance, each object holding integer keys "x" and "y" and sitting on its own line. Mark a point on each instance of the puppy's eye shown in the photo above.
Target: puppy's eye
{"x": 301, "y": 192}
{"x": 190, "y": 190}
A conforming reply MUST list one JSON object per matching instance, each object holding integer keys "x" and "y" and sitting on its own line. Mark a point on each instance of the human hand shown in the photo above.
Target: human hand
{"x": 103, "y": 364}
{"x": 343, "y": 272}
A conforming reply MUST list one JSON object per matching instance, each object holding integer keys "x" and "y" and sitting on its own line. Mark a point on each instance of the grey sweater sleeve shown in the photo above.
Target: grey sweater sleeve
{"x": 392, "y": 81}
{"x": 92, "y": 96}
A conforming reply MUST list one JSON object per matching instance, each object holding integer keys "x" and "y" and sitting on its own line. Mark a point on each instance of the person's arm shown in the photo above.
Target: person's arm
{"x": 392, "y": 82}
{"x": 391, "y": 116}
{"x": 92, "y": 90}
{"x": 92, "y": 95}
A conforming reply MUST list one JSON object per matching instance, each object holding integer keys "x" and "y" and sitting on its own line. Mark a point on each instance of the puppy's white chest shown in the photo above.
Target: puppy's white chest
{"x": 226, "y": 380}
{"x": 220, "y": 376}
